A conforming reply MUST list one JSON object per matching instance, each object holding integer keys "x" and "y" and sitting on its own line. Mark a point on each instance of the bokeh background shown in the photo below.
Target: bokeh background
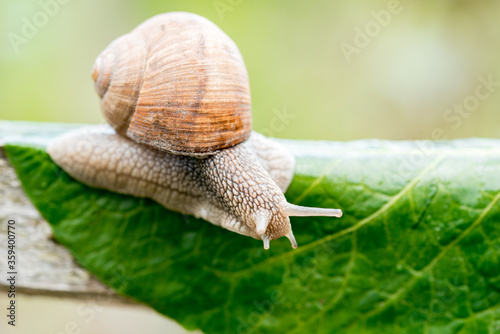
{"x": 315, "y": 73}
{"x": 424, "y": 61}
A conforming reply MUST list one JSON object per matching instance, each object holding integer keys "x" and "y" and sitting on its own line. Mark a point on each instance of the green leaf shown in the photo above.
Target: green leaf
{"x": 417, "y": 250}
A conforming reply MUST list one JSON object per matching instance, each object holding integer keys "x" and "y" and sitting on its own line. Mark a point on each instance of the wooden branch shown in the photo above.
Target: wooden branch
{"x": 43, "y": 267}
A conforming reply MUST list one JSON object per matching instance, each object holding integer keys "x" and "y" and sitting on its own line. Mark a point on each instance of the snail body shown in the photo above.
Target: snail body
{"x": 175, "y": 91}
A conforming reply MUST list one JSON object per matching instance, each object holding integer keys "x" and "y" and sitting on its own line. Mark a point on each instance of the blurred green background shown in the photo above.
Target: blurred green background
{"x": 425, "y": 60}
{"x": 407, "y": 81}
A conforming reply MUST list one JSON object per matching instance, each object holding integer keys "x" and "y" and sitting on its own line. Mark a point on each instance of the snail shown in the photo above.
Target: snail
{"x": 175, "y": 92}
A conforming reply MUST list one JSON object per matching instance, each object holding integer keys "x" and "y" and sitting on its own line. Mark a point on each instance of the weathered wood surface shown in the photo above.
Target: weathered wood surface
{"x": 43, "y": 266}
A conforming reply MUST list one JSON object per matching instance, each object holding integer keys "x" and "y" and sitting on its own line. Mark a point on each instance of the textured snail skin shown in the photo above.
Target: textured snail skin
{"x": 234, "y": 188}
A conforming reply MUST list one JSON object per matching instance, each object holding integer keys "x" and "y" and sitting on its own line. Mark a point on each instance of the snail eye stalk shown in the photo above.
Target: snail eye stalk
{"x": 293, "y": 210}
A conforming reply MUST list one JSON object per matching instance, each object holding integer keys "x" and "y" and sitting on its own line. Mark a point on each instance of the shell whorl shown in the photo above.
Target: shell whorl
{"x": 118, "y": 73}
{"x": 177, "y": 83}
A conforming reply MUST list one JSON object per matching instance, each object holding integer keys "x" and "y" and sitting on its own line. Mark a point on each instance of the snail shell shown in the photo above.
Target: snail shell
{"x": 178, "y": 83}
